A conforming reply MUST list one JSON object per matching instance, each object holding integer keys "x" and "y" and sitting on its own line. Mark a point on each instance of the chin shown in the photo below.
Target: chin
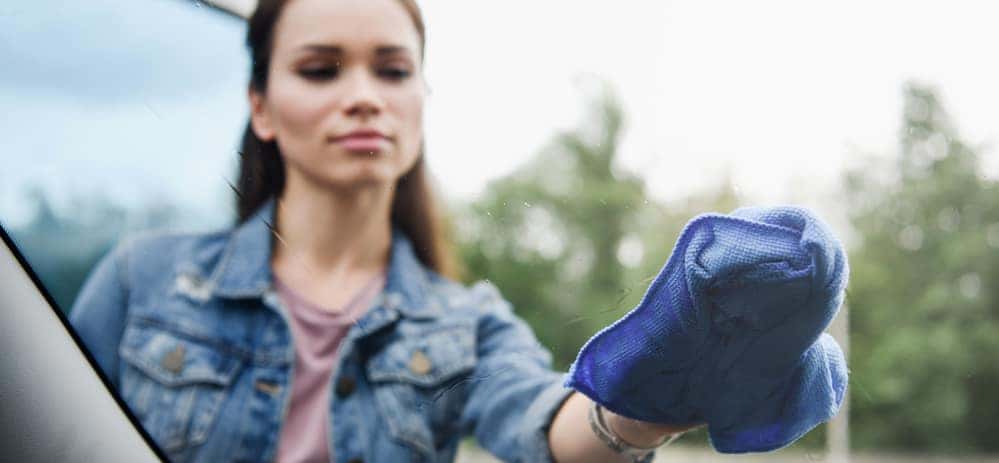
{"x": 353, "y": 174}
{"x": 363, "y": 178}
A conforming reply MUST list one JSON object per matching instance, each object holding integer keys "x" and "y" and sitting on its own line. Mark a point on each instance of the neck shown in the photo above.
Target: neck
{"x": 333, "y": 231}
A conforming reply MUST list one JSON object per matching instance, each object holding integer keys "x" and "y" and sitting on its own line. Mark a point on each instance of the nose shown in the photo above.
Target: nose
{"x": 362, "y": 98}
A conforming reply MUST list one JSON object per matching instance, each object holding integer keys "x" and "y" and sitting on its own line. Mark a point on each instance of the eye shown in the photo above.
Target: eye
{"x": 319, "y": 73}
{"x": 394, "y": 73}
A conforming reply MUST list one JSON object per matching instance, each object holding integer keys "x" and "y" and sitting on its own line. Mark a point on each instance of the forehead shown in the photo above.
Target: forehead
{"x": 351, "y": 24}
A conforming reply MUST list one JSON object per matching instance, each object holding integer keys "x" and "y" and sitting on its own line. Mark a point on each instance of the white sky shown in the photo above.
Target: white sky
{"x": 778, "y": 93}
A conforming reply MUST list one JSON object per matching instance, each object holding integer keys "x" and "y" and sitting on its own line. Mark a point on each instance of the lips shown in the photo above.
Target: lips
{"x": 367, "y": 141}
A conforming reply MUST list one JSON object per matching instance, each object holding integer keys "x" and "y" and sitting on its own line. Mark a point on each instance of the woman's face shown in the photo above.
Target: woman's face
{"x": 345, "y": 91}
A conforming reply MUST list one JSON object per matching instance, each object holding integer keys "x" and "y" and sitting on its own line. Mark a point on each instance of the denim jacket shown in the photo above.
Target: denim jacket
{"x": 192, "y": 334}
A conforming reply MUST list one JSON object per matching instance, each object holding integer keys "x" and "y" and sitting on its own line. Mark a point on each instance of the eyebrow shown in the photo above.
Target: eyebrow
{"x": 385, "y": 50}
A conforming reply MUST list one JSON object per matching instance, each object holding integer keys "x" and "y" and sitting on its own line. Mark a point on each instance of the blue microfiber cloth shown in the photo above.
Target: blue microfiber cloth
{"x": 730, "y": 333}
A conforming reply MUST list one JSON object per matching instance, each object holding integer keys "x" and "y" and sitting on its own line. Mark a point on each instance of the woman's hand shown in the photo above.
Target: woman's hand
{"x": 730, "y": 333}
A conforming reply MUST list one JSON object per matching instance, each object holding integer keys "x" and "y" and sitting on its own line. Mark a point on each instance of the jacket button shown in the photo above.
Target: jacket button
{"x": 173, "y": 361}
{"x": 345, "y": 386}
{"x": 419, "y": 363}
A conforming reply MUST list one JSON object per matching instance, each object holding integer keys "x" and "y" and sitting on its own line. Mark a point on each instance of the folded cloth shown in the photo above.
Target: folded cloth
{"x": 730, "y": 333}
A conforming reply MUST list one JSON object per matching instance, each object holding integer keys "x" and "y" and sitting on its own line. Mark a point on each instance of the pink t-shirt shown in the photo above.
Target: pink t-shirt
{"x": 317, "y": 334}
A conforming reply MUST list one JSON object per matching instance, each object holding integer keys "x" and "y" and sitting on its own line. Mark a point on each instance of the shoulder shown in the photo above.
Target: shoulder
{"x": 498, "y": 329}
{"x": 476, "y": 296}
{"x": 149, "y": 256}
{"x": 480, "y": 303}
{"x": 187, "y": 243}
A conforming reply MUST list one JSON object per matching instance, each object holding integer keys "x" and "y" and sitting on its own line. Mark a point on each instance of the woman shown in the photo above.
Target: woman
{"x": 321, "y": 326}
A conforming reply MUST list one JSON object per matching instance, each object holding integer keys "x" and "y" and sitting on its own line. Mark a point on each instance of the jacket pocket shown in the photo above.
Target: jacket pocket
{"x": 175, "y": 384}
{"x": 419, "y": 385}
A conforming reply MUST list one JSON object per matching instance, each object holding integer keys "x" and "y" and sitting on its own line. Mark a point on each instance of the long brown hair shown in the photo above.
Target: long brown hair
{"x": 415, "y": 207}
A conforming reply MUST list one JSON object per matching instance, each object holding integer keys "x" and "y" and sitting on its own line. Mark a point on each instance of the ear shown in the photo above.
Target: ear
{"x": 260, "y": 119}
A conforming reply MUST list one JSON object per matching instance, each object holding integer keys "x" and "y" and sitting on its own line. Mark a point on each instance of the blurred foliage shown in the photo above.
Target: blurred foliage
{"x": 62, "y": 247}
{"x": 573, "y": 241}
{"x": 923, "y": 316}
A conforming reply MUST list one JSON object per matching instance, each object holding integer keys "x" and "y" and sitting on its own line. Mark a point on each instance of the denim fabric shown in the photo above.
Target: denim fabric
{"x": 194, "y": 337}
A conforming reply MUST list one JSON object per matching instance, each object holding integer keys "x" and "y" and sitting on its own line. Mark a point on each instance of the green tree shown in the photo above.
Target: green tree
{"x": 62, "y": 248}
{"x": 923, "y": 320}
{"x": 572, "y": 240}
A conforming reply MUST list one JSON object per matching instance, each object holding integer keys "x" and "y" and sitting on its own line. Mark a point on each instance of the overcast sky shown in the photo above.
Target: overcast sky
{"x": 776, "y": 90}
{"x": 145, "y": 99}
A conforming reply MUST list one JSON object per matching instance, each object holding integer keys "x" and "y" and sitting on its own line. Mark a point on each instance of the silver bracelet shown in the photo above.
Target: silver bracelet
{"x": 615, "y": 442}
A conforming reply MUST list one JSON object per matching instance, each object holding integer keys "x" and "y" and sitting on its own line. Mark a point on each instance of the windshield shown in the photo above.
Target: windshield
{"x": 570, "y": 142}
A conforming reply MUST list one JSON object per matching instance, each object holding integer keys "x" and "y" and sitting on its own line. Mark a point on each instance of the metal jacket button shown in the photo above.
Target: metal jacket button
{"x": 173, "y": 361}
{"x": 345, "y": 386}
{"x": 419, "y": 363}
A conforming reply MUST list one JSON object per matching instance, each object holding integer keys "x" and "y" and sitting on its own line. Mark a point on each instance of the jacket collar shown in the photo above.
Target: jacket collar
{"x": 244, "y": 270}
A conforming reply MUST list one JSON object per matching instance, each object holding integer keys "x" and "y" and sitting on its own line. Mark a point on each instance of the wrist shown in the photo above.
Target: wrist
{"x": 641, "y": 433}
